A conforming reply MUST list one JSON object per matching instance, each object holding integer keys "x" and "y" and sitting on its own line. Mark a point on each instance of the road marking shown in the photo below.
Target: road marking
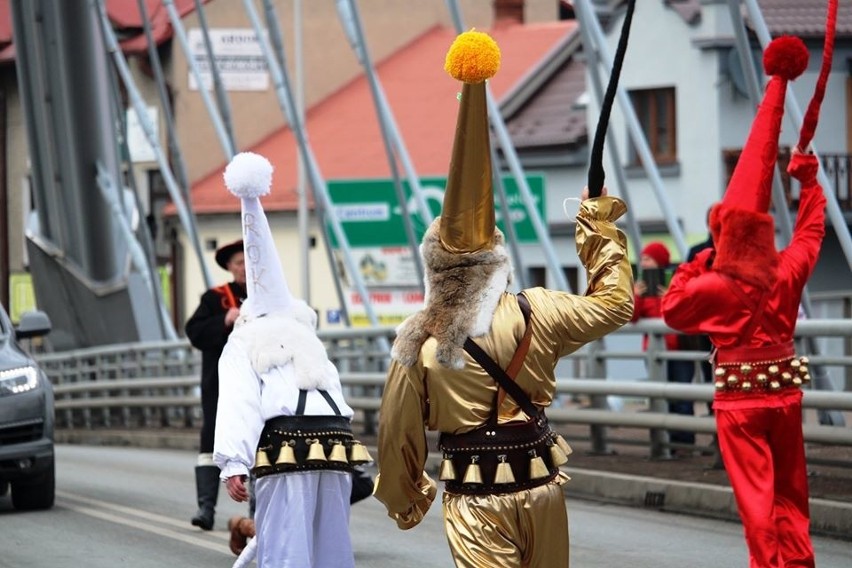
{"x": 99, "y": 513}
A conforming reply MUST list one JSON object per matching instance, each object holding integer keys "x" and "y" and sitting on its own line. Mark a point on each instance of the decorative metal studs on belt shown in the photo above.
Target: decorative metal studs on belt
{"x": 772, "y": 379}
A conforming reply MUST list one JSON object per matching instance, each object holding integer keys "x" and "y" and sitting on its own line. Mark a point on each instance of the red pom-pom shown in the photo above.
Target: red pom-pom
{"x": 786, "y": 57}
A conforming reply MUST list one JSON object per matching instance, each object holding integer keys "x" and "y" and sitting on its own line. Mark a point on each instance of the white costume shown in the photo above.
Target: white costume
{"x": 273, "y": 356}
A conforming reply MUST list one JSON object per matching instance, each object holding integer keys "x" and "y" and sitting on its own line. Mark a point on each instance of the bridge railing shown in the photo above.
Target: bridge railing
{"x": 155, "y": 385}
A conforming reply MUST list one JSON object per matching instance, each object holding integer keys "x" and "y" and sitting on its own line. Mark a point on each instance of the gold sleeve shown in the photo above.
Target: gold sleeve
{"x": 405, "y": 489}
{"x": 573, "y": 320}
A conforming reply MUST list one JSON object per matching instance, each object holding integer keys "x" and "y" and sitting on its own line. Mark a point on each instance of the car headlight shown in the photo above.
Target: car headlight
{"x": 16, "y": 381}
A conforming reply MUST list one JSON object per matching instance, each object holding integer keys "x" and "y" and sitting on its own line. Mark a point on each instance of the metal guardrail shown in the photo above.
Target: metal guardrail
{"x": 155, "y": 385}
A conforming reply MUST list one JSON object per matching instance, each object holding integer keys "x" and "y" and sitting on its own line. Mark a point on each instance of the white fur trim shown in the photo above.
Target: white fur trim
{"x": 248, "y": 175}
{"x": 278, "y": 339}
{"x": 489, "y": 297}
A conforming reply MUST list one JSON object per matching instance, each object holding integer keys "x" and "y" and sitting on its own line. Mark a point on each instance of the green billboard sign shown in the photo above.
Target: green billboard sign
{"x": 371, "y": 215}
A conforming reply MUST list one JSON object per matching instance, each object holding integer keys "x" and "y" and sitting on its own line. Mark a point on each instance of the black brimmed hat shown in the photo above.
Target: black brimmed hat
{"x": 225, "y": 252}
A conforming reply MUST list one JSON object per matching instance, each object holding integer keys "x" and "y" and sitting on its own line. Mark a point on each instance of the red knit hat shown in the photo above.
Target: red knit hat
{"x": 750, "y": 187}
{"x": 659, "y": 252}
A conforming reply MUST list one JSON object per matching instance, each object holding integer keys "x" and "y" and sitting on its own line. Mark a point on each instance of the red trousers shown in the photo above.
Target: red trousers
{"x": 764, "y": 455}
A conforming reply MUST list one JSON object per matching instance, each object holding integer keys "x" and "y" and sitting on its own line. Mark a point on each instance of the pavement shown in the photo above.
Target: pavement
{"x": 691, "y": 482}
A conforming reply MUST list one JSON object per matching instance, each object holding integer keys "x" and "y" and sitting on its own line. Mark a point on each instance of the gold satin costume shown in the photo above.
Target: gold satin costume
{"x": 527, "y": 528}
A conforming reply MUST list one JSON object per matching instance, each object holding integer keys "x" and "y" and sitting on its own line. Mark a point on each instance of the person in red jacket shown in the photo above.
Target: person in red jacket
{"x": 745, "y": 296}
{"x": 648, "y": 294}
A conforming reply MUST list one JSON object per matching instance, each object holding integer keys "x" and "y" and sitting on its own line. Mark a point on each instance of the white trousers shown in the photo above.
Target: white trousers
{"x": 302, "y": 520}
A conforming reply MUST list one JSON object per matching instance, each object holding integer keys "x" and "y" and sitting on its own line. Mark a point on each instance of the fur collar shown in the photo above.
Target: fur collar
{"x": 462, "y": 292}
{"x": 745, "y": 245}
{"x": 280, "y": 338}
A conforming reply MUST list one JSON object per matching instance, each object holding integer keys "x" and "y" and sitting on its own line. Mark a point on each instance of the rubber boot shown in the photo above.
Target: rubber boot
{"x": 207, "y": 490}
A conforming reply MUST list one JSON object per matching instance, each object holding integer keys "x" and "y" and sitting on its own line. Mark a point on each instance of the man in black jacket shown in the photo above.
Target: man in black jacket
{"x": 208, "y": 330}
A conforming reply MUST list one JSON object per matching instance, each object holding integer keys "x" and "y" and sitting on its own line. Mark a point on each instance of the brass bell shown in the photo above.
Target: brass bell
{"x": 806, "y": 377}
{"x": 315, "y": 453}
{"x": 720, "y": 385}
{"x": 719, "y": 372}
{"x": 795, "y": 364}
{"x": 566, "y": 448}
{"x": 473, "y": 474}
{"x": 537, "y": 467}
{"x": 448, "y": 471}
{"x": 803, "y": 370}
{"x": 504, "y": 471}
{"x": 797, "y": 381}
{"x": 261, "y": 459}
{"x": 358, "y": 453}
{"x": 746, "y": 386}
{"x": 285, "y": 454}
{"x": 557, "y": 456}
{"x": 745, "y": 368}
{"x": 338, "y": 453}
{"x": 733, "y": 380}
{"x": 773, "y": 369}
{"x": 762, "y": 378}
{"x": 804, "y": 360}
{"x": 786, "y": 377}
{"x": 774, "y": 385}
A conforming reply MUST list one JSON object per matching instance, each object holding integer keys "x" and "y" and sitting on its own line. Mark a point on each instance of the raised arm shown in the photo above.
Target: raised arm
{"x": 573, "y": 320}
{"x": 801, "y": 255}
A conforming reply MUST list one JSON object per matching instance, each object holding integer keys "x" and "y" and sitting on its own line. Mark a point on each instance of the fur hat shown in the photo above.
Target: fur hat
{"x": 249, "y": 176}
{"x": 659, "y": 252}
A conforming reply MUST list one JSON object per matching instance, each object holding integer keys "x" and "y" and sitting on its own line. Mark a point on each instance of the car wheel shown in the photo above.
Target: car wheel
{"x": 35, "y": 494}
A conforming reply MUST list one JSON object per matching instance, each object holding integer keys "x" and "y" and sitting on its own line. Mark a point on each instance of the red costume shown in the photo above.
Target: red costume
{"x": 745, "y": 296}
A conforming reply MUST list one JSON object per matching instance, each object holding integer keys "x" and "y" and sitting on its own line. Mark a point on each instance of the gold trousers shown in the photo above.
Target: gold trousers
{"x": 526, "y": 529}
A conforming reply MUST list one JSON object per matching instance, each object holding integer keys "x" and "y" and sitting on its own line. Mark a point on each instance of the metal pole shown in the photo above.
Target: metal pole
{"x": 795, "y": 114}
{"x": 515, "y": 167}
{"x": 511, "y": 236}
{"x": 180, "y": 34}
{"x": 285, "y": 100}
{"x": 175, "y": 154}
{"x": 301, "y": 190}
{"x": 592, "y": 62}
{"x": 137, "y": 254}
{"x": 147, "y": 128}
{"x": 352, "y": 18}
{"x": 588, "y": 20}
{"x": 221, "y": 97}
{"x": 348, "y": 12}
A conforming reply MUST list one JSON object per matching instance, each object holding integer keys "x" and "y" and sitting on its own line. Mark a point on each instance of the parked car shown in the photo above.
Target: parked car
{"x": 27, "y": 463}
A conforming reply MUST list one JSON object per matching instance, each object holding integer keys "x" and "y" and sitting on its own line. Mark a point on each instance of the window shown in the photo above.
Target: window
{"x": 655, "y": 109}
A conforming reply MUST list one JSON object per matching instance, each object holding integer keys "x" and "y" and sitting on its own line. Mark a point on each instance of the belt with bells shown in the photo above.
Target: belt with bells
{"x": 764, "y": 376}
{"x": 308, "y": 443}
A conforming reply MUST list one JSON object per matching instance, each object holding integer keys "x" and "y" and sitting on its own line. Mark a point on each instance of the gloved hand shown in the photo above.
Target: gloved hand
{"x": 804, "y": 168}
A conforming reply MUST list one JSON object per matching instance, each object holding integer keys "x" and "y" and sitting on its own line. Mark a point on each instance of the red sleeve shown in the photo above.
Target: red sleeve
{"x": 801, "y": 255}
{"x": 679, "y": 308}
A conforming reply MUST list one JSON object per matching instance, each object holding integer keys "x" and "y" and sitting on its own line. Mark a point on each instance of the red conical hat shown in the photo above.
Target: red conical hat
{"x": 750, "y": 187}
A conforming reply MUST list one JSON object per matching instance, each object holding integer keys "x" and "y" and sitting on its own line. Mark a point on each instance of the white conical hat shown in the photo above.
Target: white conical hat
{"x": 249, "y": 176}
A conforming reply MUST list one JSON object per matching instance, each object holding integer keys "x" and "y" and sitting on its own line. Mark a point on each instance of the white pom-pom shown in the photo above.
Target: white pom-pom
{"x": 248, "y": 175}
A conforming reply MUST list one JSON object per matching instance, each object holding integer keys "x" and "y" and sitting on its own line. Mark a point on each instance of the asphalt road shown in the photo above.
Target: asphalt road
{"x": 130, "y": 507}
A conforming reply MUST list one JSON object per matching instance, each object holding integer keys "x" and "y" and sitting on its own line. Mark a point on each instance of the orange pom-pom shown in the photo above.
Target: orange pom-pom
{"x": 473, "y": 57}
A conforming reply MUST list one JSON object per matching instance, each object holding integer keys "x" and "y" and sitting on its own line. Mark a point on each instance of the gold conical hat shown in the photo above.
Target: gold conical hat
{"x": 467, "y": 216}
